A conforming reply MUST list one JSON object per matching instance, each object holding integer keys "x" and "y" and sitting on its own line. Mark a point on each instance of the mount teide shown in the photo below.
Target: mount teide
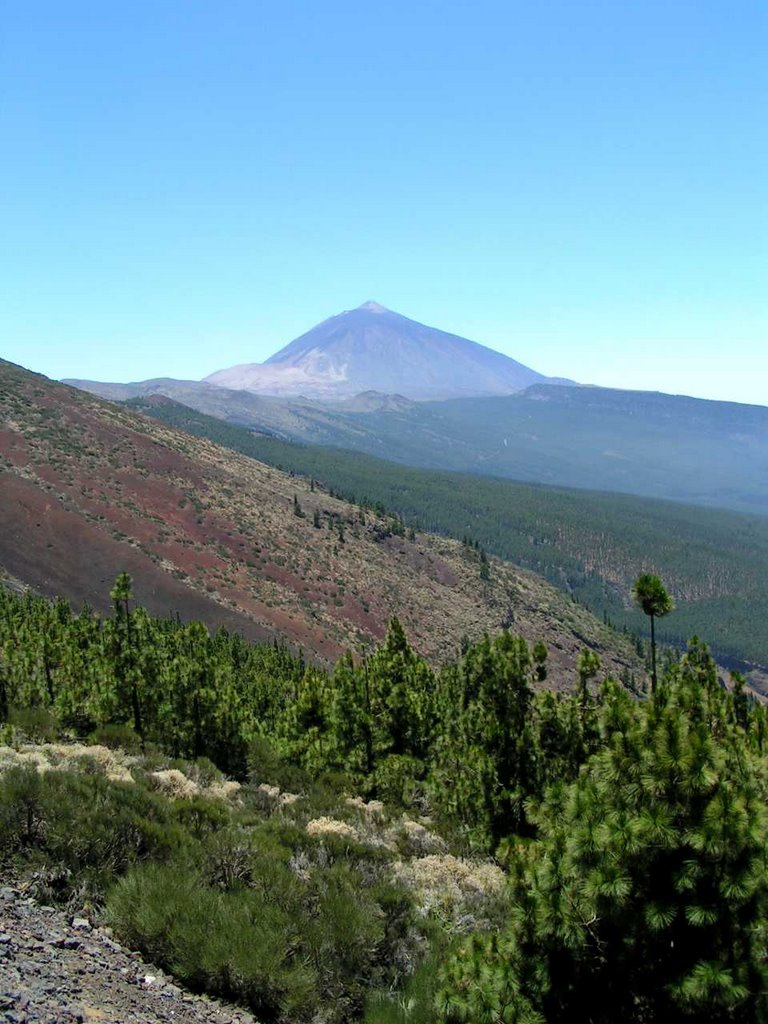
{"x": 372, "y": 348}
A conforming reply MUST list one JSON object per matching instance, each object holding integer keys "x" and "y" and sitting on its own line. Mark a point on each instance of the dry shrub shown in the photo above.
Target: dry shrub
{"x": 332, "y": 827}
{"x": 76, "y": 757}
{"x": 226, "y": 789}
{"x": 373, "y": 810}
{"x": 415, "y": 840}
{"x": 451, "y": 888}
{"x": 173, "y": 783}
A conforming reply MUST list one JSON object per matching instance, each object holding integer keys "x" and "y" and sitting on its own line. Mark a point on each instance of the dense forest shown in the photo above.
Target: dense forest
{"x": 396, "y": 845}
{"x": 590, "y": 544}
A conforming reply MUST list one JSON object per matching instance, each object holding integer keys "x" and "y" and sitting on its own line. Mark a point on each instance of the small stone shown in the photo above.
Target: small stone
{"x": 148, "y": 981}
{"x": 81, "y": 924}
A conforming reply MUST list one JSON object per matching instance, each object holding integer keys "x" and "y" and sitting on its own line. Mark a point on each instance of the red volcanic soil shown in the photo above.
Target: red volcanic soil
{"x": 57, "y": 552}
{"x": 85, "y": 494}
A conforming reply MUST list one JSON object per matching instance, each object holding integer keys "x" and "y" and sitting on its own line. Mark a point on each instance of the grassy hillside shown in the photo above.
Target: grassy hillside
{"x": 591, "y": 544}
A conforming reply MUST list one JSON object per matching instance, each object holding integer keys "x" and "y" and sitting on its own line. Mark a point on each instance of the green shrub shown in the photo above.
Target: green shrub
{"x": 265, "y": 764}
{"x": 34, "y": 724}
{"x": 415, "y": 1004}
{"x": 87, "y": 826}
{"x": 397, "y": 779}
{"x": 199, "y": 816}
{"x": 22, "y": 822}
{"x": 234, "y": 945}
{"x": 116, "y": 737}
{"x": 247, "y": 922}
{"x": 205, "y": 772}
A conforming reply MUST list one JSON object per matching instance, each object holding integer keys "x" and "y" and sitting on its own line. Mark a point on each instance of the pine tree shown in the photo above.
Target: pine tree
{"x": 486, "y": 708}
{"x": 646, "y": 896}
{"x": 651, "y": 595}
{"x": 124, "y": 650}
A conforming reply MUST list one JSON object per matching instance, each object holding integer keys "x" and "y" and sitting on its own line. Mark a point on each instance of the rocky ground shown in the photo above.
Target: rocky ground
{"x": 56, "y": 969}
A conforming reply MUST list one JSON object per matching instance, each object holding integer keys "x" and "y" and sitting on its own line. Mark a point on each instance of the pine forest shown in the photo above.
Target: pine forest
{"x": 388, "y": 843}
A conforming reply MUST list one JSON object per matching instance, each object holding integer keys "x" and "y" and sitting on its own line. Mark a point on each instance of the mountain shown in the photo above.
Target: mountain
{"x": 372, "y": 348}
{"x": 374, "y": 381}
{"x": 91, "y": 489}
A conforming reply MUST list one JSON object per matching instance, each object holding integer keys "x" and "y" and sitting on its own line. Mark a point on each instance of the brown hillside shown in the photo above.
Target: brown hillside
{"x": 89, "y": 489}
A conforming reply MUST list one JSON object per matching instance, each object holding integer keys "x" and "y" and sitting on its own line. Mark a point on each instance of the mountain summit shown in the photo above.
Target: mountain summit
{"x": 372, "y": 348}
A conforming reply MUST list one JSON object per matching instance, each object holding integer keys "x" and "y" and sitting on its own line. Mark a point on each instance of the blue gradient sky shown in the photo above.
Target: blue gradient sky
{"x": 584, "y": 186}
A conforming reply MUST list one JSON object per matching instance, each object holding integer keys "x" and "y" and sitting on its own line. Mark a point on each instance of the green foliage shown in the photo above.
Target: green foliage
{"x": 89, "y": 828}
{"x": 232, "y": 903}
{"x": 139, "y": 679}
{"x": 366, "y": 714}
{"x": 471, "y": 738}
{"x": 35, "y": 724}
{"x": 651, "y": 595}
{"x": 247, "y": 926}
{"x": 646, "y": 893}
{"x": 486, "y": 762}
{"x": 116, "y": 737}
{"x": 634, "y": 833}
{"x": 415, "y": 1002}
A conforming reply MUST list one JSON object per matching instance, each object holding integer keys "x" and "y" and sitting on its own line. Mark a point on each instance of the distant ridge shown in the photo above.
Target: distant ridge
{"x": 372, "y": 348}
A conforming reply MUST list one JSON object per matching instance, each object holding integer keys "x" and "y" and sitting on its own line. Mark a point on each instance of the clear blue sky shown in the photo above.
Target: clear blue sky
{"x": 187, "y": 185}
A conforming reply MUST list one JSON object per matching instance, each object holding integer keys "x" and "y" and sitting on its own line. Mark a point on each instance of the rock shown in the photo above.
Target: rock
{"x": 61, "y": 970}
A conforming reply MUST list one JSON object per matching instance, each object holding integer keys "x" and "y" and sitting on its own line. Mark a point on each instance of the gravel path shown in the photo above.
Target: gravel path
{"x": 56, "y": 969}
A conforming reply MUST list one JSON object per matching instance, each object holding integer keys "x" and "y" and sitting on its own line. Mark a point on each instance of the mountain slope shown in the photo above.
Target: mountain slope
{"x": 373, "y": 348}
{"x": 635, "y": 442}
{"x": 90, "y": 489}
{"x": 591, "y": 544}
